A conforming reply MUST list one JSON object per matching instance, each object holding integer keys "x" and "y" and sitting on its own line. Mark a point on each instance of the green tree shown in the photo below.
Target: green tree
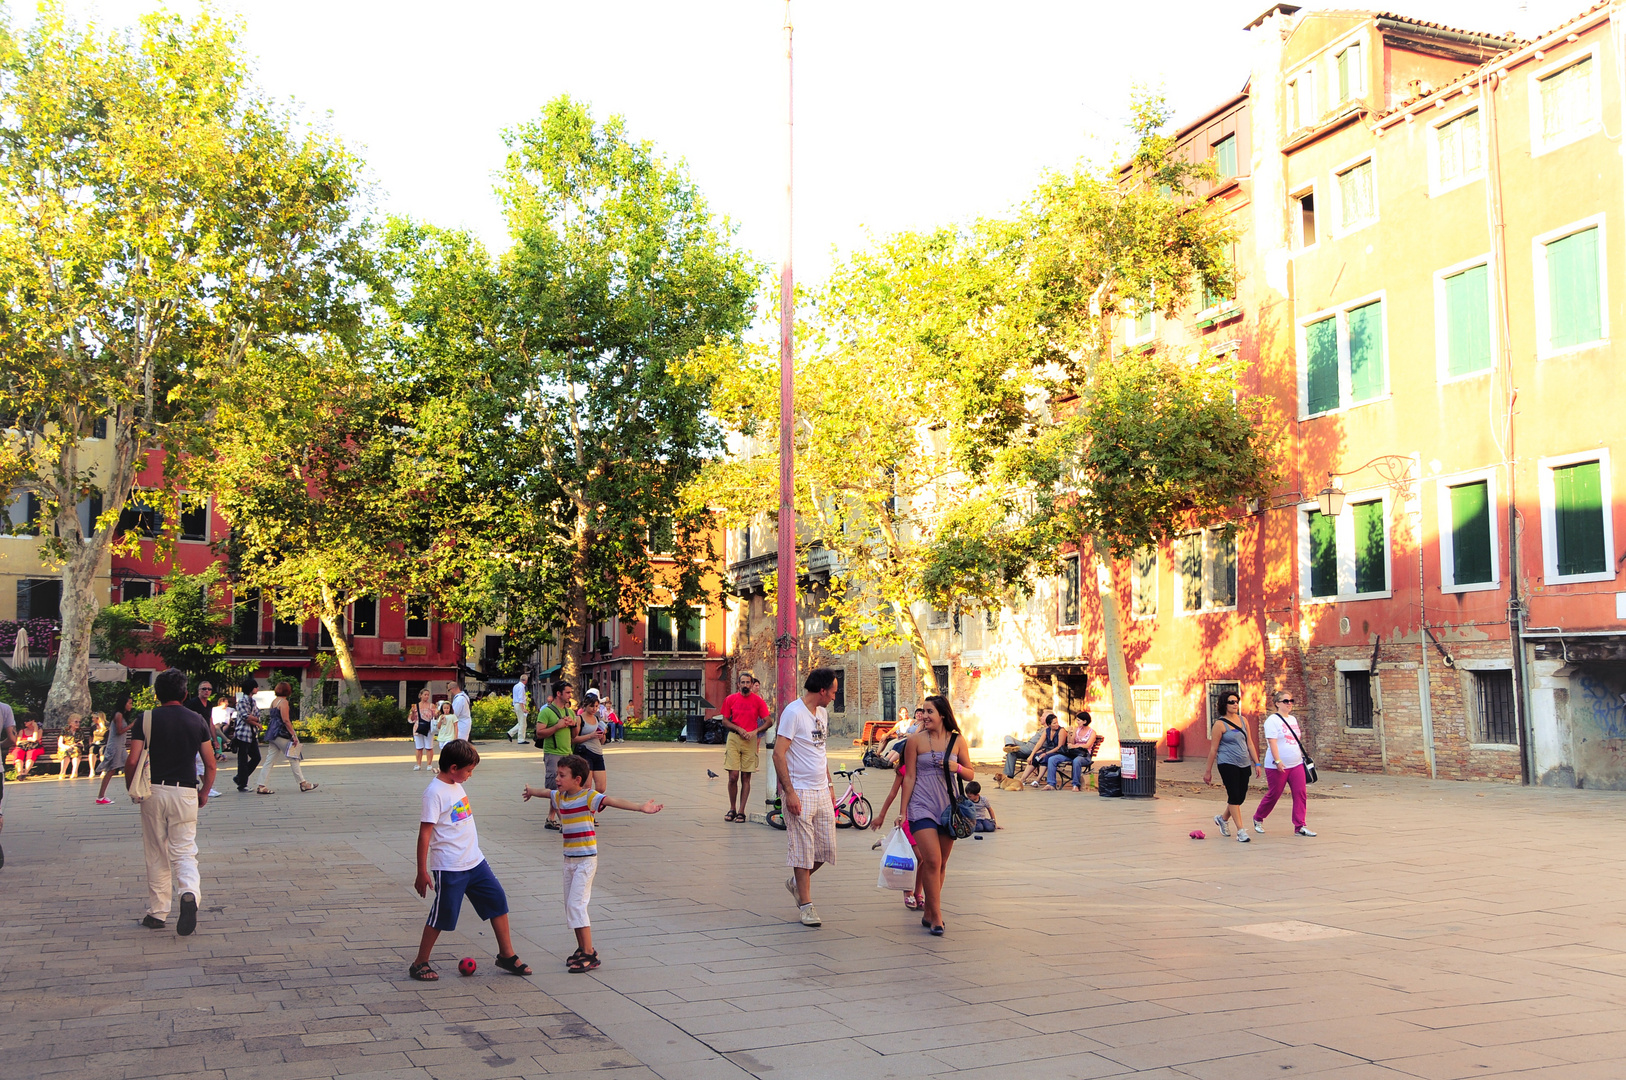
{"x": 189, "y": 618}
{"x": 585, "y": 426}
{"x": 158, "y": 216}
{"x": 1147, "y": 445}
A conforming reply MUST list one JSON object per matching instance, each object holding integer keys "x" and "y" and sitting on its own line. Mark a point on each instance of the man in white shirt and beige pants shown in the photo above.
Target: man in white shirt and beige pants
{"x": 806, "y": 787}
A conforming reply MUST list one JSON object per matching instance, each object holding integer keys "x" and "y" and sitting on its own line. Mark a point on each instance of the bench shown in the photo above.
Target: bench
{"x": 875, "y": 731}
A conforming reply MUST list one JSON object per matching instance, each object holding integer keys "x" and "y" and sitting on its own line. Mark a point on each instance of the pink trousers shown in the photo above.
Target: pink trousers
{"x": 1275, "y": 780}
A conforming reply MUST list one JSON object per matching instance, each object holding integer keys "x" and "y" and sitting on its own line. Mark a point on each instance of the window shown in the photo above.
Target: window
{"x": 1067, "y": 593}
{"x": 491, "y": 653}
{"x": 1345, "y": 358}
{"x": 195, "y": 521}
{"x": 286, "y": 634}
{"x": 1217, "y": 693}
{"x": 1357, "y": 197}
{"x": 89, "y": 510}
{"x": 134, "y": 590}
{"x": 142, "y": 514}
{"x": 1468, "y": 538}
{"x": 1301, "y": 100}
{"x": 1212, "y": 299}
{"x": 1350, "y": 75}
{"x": 940, "y": 673}
{"x": 39, "y": 598}
{"x": 1565, "y": 105}
{"x": 1346, "y": 556}
{"x": 839, "y": 705}
{"x": 1457, "y": 152}
{"x": 937, "y": 619}
{"x": 1462, "y": 321}
{"x": 98, "y": 428}
{"x": 1304, "y": 225}
{"x": 661, "y": 536}
{"x": 660, "y": 630}
{"x": 364, "y": 617}
{"x": 1570, "y": 289}
{"x": 1207, "y": 562}
{"x": 1225, "y": 157}
{"x": 1148, "y": 705}
{"x": 688, "y": 632}
{"x": 665, "y": 633}
{"x": 889, "y": 693}
{"x": 1357, "y": 699}
{"x": 417, "y": 616}
{"x": 21, "y": 516}
{"x": 1577, "y": 534}
{"x": 1138, "y": 329}
{"x": 1143, "y": 583}
{"x": 1494, "y": 720}
{"x": 671, "y": 698}
{"x": 245, "y": 619}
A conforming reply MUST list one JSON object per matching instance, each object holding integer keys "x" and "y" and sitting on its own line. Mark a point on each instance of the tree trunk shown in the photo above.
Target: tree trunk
{"x": 574, "y": 633}
{"x": 70, "y": 686}
{"x": 351, "y": 690}
{"x": 925, "y": 677}
{"x": 1123, "y": 710}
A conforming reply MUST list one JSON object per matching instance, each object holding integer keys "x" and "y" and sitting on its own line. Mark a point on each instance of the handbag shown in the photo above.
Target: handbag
{"x": 141, "y": 783}
{"x": 961, "y": 815}
{"x": 422, "y": 727}
{"x": 1310, "y": 776}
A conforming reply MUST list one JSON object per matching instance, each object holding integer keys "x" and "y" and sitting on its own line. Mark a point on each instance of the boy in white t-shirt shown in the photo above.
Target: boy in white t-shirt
{"x": 449, "y": 858}
{"x": 809, "y": 796}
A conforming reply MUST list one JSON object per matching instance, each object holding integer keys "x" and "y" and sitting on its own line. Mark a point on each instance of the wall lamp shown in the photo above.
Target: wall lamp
{"x": 1394, "y": 468}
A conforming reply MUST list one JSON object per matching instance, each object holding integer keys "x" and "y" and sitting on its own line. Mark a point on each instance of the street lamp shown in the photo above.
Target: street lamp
{"x": 1331, "y": 499}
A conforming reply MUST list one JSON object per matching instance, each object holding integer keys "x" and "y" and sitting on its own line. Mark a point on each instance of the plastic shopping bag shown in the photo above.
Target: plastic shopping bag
{"x": 897, "y": 863}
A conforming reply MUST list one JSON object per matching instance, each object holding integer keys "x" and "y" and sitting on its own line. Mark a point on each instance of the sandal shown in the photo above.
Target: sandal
{"x": 909, "y": 902}
{"x": 423, "y": 972}
{"x": 731, "y": 816}
{"x": 306, "y": 786}
{"x": 582, "y": 962}
{"x": 512, "y": 965}
{"x": 263, "y": 790}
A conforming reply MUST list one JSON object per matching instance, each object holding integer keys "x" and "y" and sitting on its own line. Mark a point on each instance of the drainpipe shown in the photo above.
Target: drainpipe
{"x": 1425, "y": 694}
{"x": 1515, "y": 575}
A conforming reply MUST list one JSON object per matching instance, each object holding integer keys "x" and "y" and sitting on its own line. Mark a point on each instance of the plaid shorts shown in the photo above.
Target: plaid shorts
{"x": 812, "y": 833}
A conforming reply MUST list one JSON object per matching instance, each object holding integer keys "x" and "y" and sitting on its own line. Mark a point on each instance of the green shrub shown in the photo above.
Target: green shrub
{"x": 655, "y": 728}
{"x": 375, "y": 718}
{"x": 492, "y": 717}
{"x": 323, "y": 727}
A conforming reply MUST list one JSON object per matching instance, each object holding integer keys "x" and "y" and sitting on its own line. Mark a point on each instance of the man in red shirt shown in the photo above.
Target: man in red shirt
{"x": 743, "y": 714}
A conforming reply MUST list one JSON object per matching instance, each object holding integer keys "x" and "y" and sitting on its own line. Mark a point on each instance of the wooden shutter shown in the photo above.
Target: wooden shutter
{"x": 1371, "y": 568}
{"x": 1572, "y": 290}
{"x": 1191, "y": 572}
{"x": 1221, "y": 569}
{"x": 1321, "y": 364}
{"x": 1323, "y": 554}
{"x": 1467, "y": 320}
{"x": 1470, "y": 534}
{"x": 1578, "y": 518}
{"x": 1366, "y": 375}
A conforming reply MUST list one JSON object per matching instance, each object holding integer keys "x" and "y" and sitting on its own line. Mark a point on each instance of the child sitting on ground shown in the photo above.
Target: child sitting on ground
{"x": 982, "y": 813}
{"x": 577, "y": 803}
{"x": 449, "y": 859}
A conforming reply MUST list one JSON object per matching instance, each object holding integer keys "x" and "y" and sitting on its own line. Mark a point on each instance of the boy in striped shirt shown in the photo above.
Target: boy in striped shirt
{"x": 577, "y": 805}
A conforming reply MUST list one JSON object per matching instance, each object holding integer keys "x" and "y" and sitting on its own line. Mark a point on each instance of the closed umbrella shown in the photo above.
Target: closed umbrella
{"x": 19, "y": 652}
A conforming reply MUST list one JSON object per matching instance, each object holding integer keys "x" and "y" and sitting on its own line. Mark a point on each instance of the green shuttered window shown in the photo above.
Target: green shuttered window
{"x": 1467, "y": 322}
{"x": 1225, "y": 157}
{"x": 1323, "y": 554}
{"x": 1471, "y": 534}
{"x": 1567, "y": 101}
{"x": 1371, "y": 568}
{"x": 1578, "y": 518}
{"x": 1356, "y": 198}
{"x": 1321, "y": 342}
{"x": 1366, "y": 374}
{"x": 1573, "y": 314}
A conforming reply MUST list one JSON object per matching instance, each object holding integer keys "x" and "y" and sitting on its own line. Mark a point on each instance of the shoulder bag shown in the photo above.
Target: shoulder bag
{"x": 141, "y": 782}
{"x": 422, "y": 727}
{"x": 1310, "y": 776}
{"x": 961, "y": 814}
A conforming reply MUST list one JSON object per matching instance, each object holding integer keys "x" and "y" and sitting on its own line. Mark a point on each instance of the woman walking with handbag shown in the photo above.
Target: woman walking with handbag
{"x": 115, "y": 754}
{"x": 1230, "y": 746}
{"x": 422, "y": 719}
{"x": 279, "y": 732}
{"x": 1284, "y": 766}
{"x": 933, "y": 755}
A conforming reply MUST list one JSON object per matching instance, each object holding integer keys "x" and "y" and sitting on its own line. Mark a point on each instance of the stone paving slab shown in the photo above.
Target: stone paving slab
{"x": 1432, "y": 930}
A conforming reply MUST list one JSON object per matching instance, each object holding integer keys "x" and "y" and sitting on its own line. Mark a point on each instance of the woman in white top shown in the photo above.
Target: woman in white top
{"x": 1284, "y": 765}
{"x": 421, "y": 721}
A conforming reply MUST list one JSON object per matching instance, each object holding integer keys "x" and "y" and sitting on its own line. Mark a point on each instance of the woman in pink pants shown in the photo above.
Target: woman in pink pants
{"x": 1284, "y": 765}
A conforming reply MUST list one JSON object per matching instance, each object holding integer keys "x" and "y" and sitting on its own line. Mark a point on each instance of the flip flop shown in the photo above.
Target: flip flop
{"x": 910, "y": 903}
{"x": 731, "y": 816}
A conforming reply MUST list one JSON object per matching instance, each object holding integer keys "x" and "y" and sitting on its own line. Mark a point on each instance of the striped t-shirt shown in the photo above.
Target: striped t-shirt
{"x": 576, "y": 821}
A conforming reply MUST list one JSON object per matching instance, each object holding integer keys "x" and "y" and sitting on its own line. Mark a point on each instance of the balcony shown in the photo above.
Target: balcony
{"x": 746, "y": 576}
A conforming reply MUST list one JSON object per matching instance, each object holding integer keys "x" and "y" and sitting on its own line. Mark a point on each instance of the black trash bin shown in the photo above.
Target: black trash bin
{"x": 1139, "y": 768}
{"x": 695, "y": 729}
{"x": 1108, "y": 784}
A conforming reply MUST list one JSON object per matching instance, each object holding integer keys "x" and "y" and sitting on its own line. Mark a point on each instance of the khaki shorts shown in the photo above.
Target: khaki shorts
{"x": 740, "y": 754}
{"x": 812, "y": 833}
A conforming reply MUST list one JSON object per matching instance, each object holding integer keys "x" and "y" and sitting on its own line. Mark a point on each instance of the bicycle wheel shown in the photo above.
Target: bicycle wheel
{"x": 776, "y": 818}
{"x": 860, "y": 812}
{"x": 844, "y": 817}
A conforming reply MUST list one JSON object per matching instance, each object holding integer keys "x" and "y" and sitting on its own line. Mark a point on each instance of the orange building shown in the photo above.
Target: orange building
{"x": 1429, "y": 218}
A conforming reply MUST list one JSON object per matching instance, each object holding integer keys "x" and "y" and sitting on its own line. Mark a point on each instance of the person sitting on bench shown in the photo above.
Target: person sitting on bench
{"x": 1049, "y": 743}
{"x": 1079, "y": 749}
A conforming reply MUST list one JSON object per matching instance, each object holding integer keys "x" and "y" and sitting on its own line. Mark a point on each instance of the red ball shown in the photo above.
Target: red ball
{"x": 466, "y": 966}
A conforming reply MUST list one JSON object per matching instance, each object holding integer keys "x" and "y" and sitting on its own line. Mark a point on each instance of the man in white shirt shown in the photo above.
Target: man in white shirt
{"x": 805, "y": 785}
{"x": 1284, "y": 766}
{"x": 522, "y": 713}
{"x": 460, "y": 709}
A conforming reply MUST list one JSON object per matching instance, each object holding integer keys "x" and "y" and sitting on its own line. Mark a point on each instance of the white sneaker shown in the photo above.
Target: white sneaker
{"x": 213, "y": 794}
{"x": 1258, "y": 826}
{"x": 1225, "y": 830}
{"x": 415, "y": 768}
{"x": 810, "y": 917}
{"x": 1242, "y": 837}
{"x": 1302, "y": 831}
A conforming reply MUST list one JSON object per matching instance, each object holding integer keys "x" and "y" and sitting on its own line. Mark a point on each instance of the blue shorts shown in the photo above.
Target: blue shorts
{"x": 480, "y": 885}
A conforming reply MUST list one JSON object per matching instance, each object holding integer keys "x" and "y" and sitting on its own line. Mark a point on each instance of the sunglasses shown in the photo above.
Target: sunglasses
{"x": 1284, "y": 701}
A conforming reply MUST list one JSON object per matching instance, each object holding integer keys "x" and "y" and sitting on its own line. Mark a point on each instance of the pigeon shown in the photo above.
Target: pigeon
{"x": 711, "y": 774}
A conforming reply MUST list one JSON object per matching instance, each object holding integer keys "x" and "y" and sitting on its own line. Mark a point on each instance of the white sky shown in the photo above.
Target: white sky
{"x": 909, "y": 114}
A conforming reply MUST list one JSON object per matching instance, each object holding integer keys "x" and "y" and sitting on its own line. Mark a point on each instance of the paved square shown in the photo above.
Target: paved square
{"x": 1433, "y": 930}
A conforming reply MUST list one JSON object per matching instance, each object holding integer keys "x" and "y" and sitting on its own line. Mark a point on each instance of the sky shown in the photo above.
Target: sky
{"x": 909, "y": 114}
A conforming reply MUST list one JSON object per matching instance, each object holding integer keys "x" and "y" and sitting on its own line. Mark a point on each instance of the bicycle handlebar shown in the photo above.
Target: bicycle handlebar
{"x": 847, "y": 772}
